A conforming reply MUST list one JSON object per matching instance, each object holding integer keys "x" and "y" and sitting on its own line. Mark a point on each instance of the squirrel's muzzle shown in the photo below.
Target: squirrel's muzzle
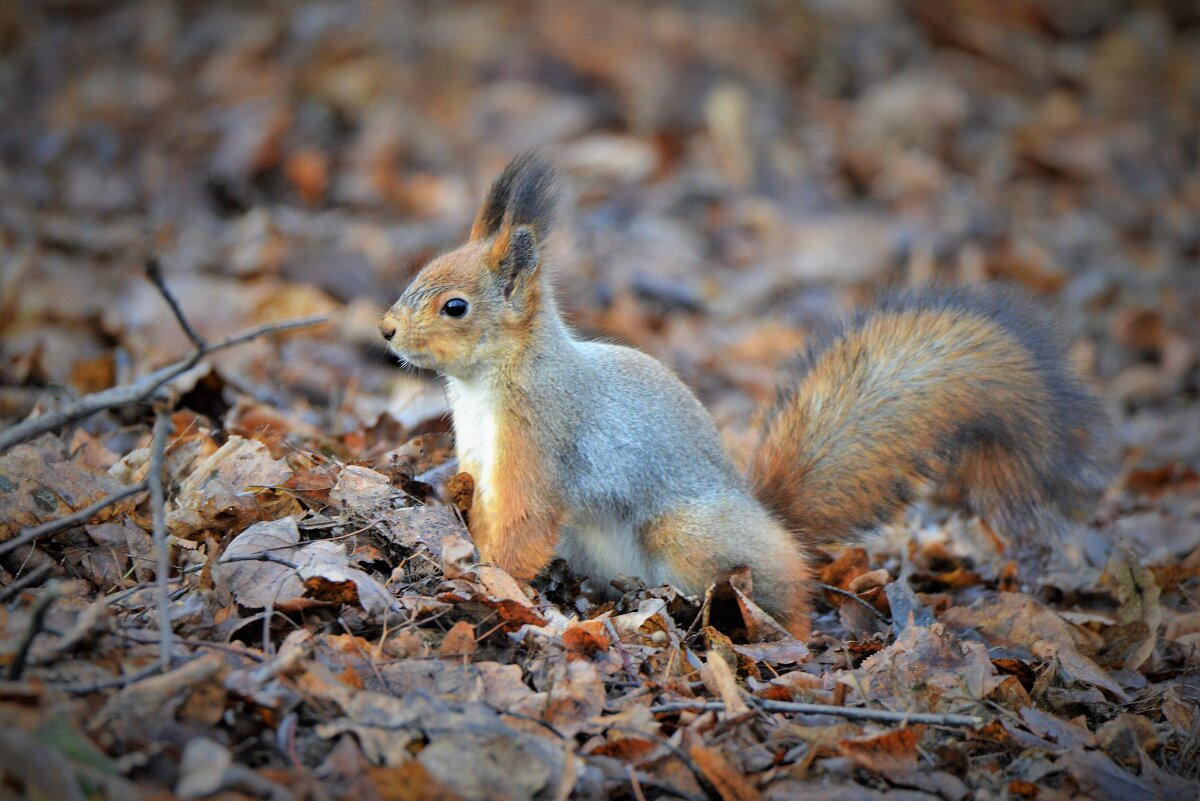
{"x": 387, "y": 328}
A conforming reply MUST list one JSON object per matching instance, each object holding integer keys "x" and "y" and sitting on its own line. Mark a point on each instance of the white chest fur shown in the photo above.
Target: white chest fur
{"x": 473, "y": 406}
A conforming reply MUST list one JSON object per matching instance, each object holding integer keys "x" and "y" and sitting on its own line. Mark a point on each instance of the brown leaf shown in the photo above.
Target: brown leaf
{"x": 718, "y": 676}
{"x": 427, "y": 527}
{"x": 408, "y": 781}
{"x": 35, "y": 488}
{"x": 1078, "y": 667}
{"x": 459, "y": 640}
{"x": 1128, "y": 738}
{"x": 1063, "y": 732}
{"x": 308, "y": 170}
{"x": 458, "y": 556}
{"x": 887, "y": 754}
{"x": 728, "y": 782}
{"x": 1016, "y": 620}
{"x": 850, "y": 564}
{"x": 926, "y": 668}
{"x": 779, "y": 652}
{"x": 1137, "y": 593}
{"x": 144, "y": 709}
{"x": 256, "y": 584}
{"x": 586, "y": 638}
{"x": 222, "y": 491}
{"x": 576, "y": 695}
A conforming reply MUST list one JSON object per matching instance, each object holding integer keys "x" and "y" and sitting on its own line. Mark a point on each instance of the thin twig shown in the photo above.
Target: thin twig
{"x": 162, "y": 578}
{"x": 261, "y": 556}
{"x": 30, "y": 579}
{"x": 74, "y": 519}
{"x": 139, "y": 390}
{"x": 120, "y": 681}
{"x": 366, "y": 657}
{"x": 154, "y": 273}
{"x": 856, "y": 713}
{"x": 227, "y": 647}
{"x": 634, "y": 784}
{"x": 37, "y": 619}
{"x": 854, "y": 597}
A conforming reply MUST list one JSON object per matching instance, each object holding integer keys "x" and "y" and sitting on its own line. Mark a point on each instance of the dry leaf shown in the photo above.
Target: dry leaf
{"x": 35, "y": 489}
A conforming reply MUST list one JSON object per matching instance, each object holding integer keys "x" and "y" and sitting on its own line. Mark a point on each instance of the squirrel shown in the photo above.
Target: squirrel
{"x": 600, "y": 454}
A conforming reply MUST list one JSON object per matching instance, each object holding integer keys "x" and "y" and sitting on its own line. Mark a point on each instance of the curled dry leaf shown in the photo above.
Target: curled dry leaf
{"x": 926, "y": 669}
{"x": 718, "y": 676}
{"x": 1137, "y": 593}
{"x": 318, "y": 569}
{"x": 890, "y": 753}
{"x": 1016, "y": 620}
{"x": 258, "y": 584}
{"x": 576, "y": 695}
{"x": 728, "y": 781}
{"x": 425, "y": 527}
{"x": 223, "y": 490}
{"x": 1078, "y": 667}
{"x": 455, "y": 736}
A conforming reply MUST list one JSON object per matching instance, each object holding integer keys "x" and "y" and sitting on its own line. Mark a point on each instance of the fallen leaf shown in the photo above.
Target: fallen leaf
{"x": 1016, "y": 620}
{"x": 1137, "y": 593}
{"x": 1078, "y": 667}
{"x": 889, "y": 753}
{"x": 729, "y": 782}
{"x": 37, "y": 489}
{"x": 459, "y": 640}
{"x": 223, "y": 490}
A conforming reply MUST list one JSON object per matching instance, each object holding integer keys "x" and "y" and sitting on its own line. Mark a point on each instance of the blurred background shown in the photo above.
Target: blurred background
{"x": 737, "y": 174}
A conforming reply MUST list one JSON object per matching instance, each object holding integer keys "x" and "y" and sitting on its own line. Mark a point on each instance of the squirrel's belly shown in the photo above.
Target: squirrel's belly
{"x": 474, "y": 410}
{"x": 603, "y": 547}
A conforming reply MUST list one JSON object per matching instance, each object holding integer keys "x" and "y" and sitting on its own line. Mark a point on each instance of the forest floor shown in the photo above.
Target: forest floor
{"x": 738, "y": 176}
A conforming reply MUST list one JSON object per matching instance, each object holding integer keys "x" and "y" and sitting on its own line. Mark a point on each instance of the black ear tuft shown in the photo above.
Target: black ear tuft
{"x": 535, "y": 194}
{"x": 526, "y": 191}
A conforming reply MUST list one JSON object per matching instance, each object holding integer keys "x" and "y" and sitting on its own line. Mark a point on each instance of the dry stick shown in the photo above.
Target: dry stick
{"x": 882, "y": 715}
{"x": 141, "y": 389}
{"x": 230, "y": 648}
{"x": 162, "y": 578}
{"x": 120, "y": 681}
{"x": 855, "y": 597}
{"x": 74, "y": 519}
{"x": 30, "y": 579}
{"x": 36, "y": 620}
{"x": 261, "y": 556}
{"x": 154, "y": 273}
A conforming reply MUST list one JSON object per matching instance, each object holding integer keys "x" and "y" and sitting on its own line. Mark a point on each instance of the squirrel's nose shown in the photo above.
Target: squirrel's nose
{"x": 387, "y": 328}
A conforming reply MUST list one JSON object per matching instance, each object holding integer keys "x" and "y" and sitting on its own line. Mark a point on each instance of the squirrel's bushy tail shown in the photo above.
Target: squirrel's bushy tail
{"x": 968, "y": 391}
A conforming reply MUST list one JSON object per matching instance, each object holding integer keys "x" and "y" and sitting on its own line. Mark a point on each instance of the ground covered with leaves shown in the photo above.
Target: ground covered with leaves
{"x": 243, "y": 571}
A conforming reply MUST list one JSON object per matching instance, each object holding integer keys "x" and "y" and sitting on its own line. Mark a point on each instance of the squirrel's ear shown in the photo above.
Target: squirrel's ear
{"x": 517, "y": 257}
{"x": 525, "y": 193}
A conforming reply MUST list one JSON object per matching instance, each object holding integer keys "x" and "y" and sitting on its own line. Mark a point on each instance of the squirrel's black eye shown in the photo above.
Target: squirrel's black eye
{"x": 455, "y": 307}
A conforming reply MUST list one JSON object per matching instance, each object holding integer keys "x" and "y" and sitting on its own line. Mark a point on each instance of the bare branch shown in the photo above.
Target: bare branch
{"x": 36, "y": 620}
{"x": 856, "y": 713}
{"x": 854, "y": 597}
{"x": 158, "y": 449}
{"x": 120, "y": 681}
{"x": 139, "y": 390}
{"x": 261, "y": 556}
{"x": 30, "y": 579}
{"x": 74, "y": 519}
{"x": 154, "y": 273}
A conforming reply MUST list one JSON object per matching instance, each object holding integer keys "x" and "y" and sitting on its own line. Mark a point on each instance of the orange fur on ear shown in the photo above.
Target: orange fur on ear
{"x": 500, "y": 245}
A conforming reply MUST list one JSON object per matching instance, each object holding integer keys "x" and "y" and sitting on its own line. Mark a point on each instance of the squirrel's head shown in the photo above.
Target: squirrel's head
{"x": 470, "y": 307}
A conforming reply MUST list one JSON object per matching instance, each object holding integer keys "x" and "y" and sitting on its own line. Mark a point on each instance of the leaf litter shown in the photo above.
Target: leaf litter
{"x": 335, "y": 635}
